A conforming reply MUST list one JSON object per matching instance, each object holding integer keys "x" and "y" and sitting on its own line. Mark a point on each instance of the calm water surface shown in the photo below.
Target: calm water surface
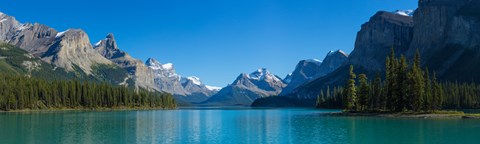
{"x": 224, "y": 126}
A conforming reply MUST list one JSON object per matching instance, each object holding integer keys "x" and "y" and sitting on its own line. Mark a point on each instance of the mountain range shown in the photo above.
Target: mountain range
{"x": 446, "y": 33}
{"x": 70, "y": 54}
{"x": 262, "y": 83}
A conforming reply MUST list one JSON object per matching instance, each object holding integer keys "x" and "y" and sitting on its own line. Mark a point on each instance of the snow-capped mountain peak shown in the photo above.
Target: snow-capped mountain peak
{"x": 195, "y": 80}
{"x": 259, "y": 74}
{"x": 404, "y": 12}
{"x": 154, "y": 64}
{"x": 167, "y": 66}
{"x": 263, "y": 74}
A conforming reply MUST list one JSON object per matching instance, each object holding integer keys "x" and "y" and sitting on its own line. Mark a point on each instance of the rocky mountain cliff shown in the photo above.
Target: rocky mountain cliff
{"x": 72, "y": 49}
{"x": 447, "y": 33}
{"x": 311, "y": 69}
{"x": 247, "y": 88}
{"x": 376, "y": 37}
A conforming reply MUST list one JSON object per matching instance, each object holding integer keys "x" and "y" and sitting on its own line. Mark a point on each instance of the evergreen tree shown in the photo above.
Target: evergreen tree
{"x": 363, "y": 91}
{"x": 351, "y": 91}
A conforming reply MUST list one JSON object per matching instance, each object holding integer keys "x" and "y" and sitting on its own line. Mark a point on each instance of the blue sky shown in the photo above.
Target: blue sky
{"x": 215, "y": 40}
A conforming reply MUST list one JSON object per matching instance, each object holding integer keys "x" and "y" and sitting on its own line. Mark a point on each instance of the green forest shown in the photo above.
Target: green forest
{"x": 21, "y": 92}
{"x": 406, "y": 87}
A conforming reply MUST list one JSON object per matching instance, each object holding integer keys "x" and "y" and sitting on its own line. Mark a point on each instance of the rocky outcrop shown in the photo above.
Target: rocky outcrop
{"x": 141, "y": 74}
{"x": 247, "y": 88}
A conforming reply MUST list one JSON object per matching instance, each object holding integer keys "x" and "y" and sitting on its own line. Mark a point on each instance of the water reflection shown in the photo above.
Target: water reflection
{"x": 227, "y": 126}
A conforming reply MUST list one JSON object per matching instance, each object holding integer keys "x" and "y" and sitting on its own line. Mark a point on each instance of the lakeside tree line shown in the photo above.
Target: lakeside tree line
{"x": 20, "y": 92}
{"x": 406, "y": 87}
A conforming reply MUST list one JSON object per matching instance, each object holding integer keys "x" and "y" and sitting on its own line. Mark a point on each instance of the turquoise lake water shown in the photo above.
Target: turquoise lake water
{"x": 224, "y": 126}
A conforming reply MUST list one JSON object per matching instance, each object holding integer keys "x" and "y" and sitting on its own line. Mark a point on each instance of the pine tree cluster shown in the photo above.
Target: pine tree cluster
{"x": 406, "y": 88}
{"x": 20, "y": 92}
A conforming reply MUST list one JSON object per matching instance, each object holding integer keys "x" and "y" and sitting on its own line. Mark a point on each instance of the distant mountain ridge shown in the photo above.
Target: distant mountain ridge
{"x": 185, "y": 89}
{"x": 247, "y": 88}
{"x": 262, "y": 83}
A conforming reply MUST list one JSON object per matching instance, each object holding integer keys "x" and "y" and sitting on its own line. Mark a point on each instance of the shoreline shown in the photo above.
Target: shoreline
{"x": 84, "y": 109}
{"x": 406, "y": 115}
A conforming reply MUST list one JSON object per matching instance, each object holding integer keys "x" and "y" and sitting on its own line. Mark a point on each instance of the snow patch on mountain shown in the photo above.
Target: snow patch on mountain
{"x": 404, "y": 12}
{"x": 167, "y": 66}
{"x": 98, "y": 43}
{"x": 316, "y": 61}
{"x": 213, "y": 88}
{"x": 22, "y": 27}
{"x": 195, "y": 80}
{"x": 262, "y": 74}
{"x": 60, "y": 34}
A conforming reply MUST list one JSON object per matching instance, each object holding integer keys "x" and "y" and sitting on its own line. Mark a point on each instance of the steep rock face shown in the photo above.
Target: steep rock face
{"x": 432, "y": 21}
{"x": 72, "y": 49}
{"x": 247, "y": 88}
{"x": 307, "y": 70}
{"x": 376, "y": 37}
{"x": 143, "y": 76}
{"x": 8, "y": 25}
{"x": 36, "y": 38}
{"x": 447, "y": 33}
